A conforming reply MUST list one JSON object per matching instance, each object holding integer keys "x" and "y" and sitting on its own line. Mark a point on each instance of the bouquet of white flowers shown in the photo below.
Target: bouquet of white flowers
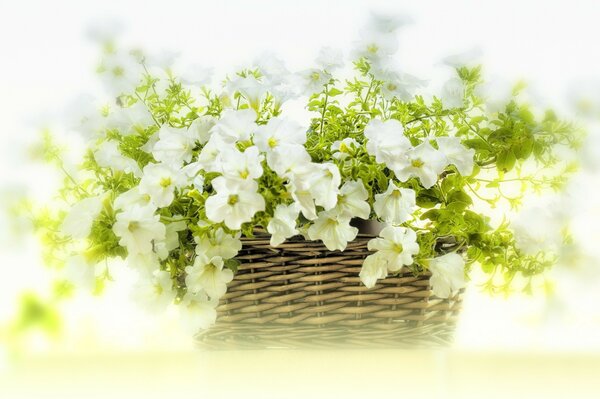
{"x": 177, "y": 174}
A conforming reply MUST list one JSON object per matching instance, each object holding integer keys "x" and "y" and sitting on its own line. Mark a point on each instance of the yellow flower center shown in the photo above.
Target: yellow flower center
{"x": 233, "y": 199}
{"x": 396, "y": 193}
{"x": 165, "y": 182}
{"x": 118, "y": 71}
{"x": 417, "y": 163}
{"x": 372, "y": 48}
{"x": 244, "y": 173}
{"x": 272, "y": 143}
{"x": 398, "y": 248}
{"x": 315, "y": 76}
{"x": 391, "y": 87}
{"x": 133, "y": 226}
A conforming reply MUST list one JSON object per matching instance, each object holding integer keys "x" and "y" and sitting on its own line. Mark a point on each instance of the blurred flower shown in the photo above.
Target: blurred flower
{"x": 283, "y": 223}
{"x": 208, "y": 275}
{"x": 159, "y": 181}
{"x": 333, "y": 229}
{"x": 138, "y": 227}
{"x": 78, "y": 222}
{"x": 457, "y": 154}
{"x": 447, "y": 274}
{"x": 422, "y": 161}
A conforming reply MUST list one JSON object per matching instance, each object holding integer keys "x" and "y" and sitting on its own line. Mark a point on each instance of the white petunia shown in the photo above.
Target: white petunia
{"x": 174, "y": 146}
{"x": 128, "y": 120}
{"x": 241, "y": 165}
{"x": 235, "y": 125}
{"x": 342, "y": 149}
{"x": 197, "y": 312}
{"x": 132, "y": 197}
{"x": 201, "y": 127}
{"x": 160, "y": 181}
{"x": 145, "y": 264}
{"x": 208, "y": 275}
{"x": 330, "y": 59}
{"x": 154, "y": 293}
{"x": 209, "y": 157}
{"x": 252, "y": 89}
{"x": 447, "y": 274}
{"x": 374, "y": 267}
{"x": 386, "y": 140}
{"x": 398, "y": 85}
{"x": 108, "y": 155}
{"x": 375, "y": 45}
{"x": 78, "y": 222}
{"x": 333, "y": 229}
{"x": 312, "y": 80}
{"x": 192, "y": 173}
{"x": 279, "y": 132}
{"x": 397, "y": 245}
{"x": 283, "y": 223}
{"x": 236, "y": 202}
{"x": 218, "y": 244}
{"x": 171, "y": 241}
{"x": 453, "y": 93}
{"x": 324, "y": 183}
{"x": 352, "y": 200}
{"x": 422, "y": 161}
{"x": 290, "y": 160}
{"x": 138, "y": 227}
{"x": 395, "y": 205}
{"x": 457, "y": 154}
{"x": 300, "y": 191}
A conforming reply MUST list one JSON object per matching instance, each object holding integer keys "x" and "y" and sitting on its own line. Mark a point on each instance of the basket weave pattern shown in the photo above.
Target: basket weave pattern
{"x": 300, "y": 294}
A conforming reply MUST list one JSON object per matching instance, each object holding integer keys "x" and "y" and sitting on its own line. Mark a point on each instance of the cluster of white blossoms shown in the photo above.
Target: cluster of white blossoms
{"x": 241, "y": 166}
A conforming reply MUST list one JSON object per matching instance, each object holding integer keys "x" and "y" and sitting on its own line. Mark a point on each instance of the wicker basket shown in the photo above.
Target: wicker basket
{"x": 302, "y": 295}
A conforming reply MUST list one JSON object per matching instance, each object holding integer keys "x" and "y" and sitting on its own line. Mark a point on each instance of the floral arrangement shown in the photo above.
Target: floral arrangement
{"x": 176, "y": 171}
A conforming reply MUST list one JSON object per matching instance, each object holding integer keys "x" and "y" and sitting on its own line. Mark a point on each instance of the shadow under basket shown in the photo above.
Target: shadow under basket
{"x": 301, "y": 295}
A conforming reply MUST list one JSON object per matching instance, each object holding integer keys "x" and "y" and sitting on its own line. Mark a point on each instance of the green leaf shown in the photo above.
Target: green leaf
{"x": 506, "y": 160}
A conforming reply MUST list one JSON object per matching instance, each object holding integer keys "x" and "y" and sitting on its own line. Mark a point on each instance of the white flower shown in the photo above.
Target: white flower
{"x": 333, "y": 229}
{"x": 120, "y": 72}
{"x": 398, "y": 85}
{"x": 375, "y": 45}
{"x": 342, "y": 149}
{"x": 397, "y": 245}
{"x": 208, "y": 159}
{"x": 422, "y": 161}
{"x": 471, "y": 56}
{"x": 197, "y": 312}
{"x": 171, "y": 241}
{"x": 78, "y": 222}
{"x": 128, "y": 120}
{"x": 301, "y": 194}
{"x": 374, "y": 267}
{"x": 279, "y": 132}
{"x": 457, "y": 154}
{"x": 155, "y": 292}
{"x": 386, "y": 140}
{"x": 330, "y": 59}
{"x": 201, "y": 127}
{"x": 253, "y": 90}
{"x": 395, "y": 205}
{"x": 174, "y": 146}
{"x": 352, "y": 200}
{"x": 283, "y": 223}
{"x": 241, "y": 165}
{"x": 235, "y": 202}
{"x": 289, "y": 160}
{"x": 447, "y": 274}
{"x": 235, "y": 125}
{"x": 108, "y": 155}
{"x": 453, "y": 93}
{"x": 130, "y": 198}
{"x": 208, "y": 275}
{"x": 218, "y": 244}
{"x": 159, "y": 182}
{"x": 312, "y": 80}
{"x": 192, "y": 172}
{"x": 138, "y": 227}
{"x": 324, "y": 184}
